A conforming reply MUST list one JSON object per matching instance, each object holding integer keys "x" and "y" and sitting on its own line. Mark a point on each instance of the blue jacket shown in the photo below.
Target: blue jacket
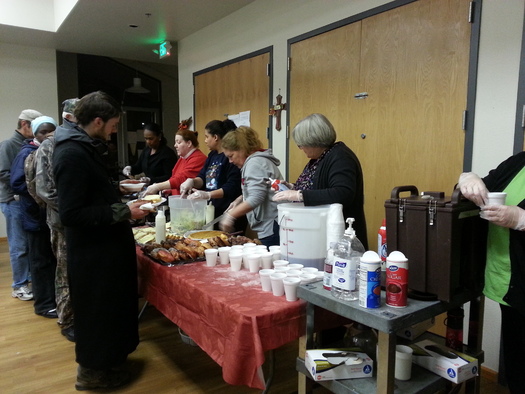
{"x": 33, "y": 216}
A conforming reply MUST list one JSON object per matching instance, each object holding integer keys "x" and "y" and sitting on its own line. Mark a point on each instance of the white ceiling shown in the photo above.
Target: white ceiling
{"x": 101, "y": 27}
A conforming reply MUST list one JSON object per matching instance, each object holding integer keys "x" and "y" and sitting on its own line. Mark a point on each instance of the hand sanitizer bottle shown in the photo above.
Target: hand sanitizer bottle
{"x": 347, "y": 253}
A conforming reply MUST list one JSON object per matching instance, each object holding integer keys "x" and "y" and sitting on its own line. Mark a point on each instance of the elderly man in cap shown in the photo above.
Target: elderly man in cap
{"x": 47, "y": 192}
{"x": 16, "y": 236}
{"x": 41, "y": 257}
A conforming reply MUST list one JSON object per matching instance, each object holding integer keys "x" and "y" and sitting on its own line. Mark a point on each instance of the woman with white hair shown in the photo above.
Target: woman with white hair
{"x": 333, "y": 174}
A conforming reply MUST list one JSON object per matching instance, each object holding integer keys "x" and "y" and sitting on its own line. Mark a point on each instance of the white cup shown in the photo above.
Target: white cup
{"x": 224, "y": 253}
{"x": 245, "y": 253}
{"x": 266, "y": 260}
{"x": 277, "y": 283}
{"x": 309, "y": 270}
{"x": 290, "y": 287}
{"x": 281, "y": 269}
{"x": 295, "y": 273}
{"x": 261, "y": 248}
{"x": 276, "y": 254}
{"x": 235, "y": 261}
{"x": 266, "y": 282}
{"x": 237, "y": 247}
{"x": 306, "y": 278}
{"x": 249, "y": 245}
{"x": 273, "y": 248}
{"x": 496, "y": 198}
{"x": 254, "y": 262}
{"x": 296, "y": 266}
{"x": 280, "y": 263}
{"x": 403, "y": 370}
{"x": 211, "y": 257}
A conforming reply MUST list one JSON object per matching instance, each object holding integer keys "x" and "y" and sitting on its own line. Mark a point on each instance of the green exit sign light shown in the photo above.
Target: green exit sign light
{"x": 164, "y": 49}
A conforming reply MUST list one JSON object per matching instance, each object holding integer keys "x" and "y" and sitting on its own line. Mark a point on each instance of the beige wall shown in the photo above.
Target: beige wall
{"x": 27, "y": 80}
{"x": 266, "y": 23}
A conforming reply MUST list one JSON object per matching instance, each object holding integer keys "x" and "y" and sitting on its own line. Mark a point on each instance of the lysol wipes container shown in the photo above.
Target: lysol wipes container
{"x": 370, "y": 280}
{"x": 396, "y": 280}
{"x": 278, "y": 185}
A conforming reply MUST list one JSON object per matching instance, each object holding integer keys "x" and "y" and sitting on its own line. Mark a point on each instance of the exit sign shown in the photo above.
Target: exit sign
{"x": 164, "y": 49}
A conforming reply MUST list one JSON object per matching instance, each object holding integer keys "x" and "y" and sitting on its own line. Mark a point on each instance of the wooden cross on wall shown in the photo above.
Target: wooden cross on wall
{"x": 276, "y": 110}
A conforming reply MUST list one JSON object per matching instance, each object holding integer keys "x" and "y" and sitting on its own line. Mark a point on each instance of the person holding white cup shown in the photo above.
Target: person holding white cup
{"x": 505, "y": 254}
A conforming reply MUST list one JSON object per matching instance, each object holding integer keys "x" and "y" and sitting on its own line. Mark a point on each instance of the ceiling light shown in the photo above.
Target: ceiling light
{"x": 137, "y": 87}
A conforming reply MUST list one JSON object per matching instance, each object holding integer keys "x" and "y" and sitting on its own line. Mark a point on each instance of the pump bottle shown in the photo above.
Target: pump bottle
{"x": 346, "y": 263}
{"x": 160, "y": 226}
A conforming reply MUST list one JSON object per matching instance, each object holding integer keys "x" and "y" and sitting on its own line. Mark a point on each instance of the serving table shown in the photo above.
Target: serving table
{"x": 226, "y": 313}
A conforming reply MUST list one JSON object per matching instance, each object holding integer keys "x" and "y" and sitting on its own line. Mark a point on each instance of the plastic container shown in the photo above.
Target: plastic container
{"x": 328, "y": 267}
{"x": 186, "y": 215}
{"x": 303, "y": 233}
{"x": 382, "y": 250}
{"x": 347, "y": 253}
{"x": 396, "y": 280}
{"x": 160, "y": 226}
{"x": 370, "y": 280}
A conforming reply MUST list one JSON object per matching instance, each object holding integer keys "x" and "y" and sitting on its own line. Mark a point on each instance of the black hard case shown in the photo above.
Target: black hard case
{"x": 443, "y": 238}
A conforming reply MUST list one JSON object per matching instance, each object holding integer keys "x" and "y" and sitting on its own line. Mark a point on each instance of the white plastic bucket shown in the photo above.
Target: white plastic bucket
{"x": 303, "y": 233}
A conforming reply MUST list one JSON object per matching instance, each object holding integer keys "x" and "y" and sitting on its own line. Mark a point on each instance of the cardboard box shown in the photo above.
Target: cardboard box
{"x": 331, "y": 364}
{"x": 416, "y": 330}
{"x": 445, "y": 362}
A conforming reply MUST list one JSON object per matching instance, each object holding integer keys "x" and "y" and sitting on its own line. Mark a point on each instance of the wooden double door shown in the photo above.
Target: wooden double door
{"x": 394, "y": 85}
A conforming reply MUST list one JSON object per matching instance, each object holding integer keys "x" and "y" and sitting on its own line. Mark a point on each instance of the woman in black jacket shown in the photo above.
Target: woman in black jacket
{"x": 156, "y": 160}
{"x": 333, "y": 174}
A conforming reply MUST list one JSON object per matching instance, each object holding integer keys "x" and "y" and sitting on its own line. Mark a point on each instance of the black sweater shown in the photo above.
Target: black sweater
{"x": 496, "y": 181}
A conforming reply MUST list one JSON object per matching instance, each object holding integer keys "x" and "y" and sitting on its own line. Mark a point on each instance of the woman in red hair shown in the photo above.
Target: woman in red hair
{"x": 190, "y": 162}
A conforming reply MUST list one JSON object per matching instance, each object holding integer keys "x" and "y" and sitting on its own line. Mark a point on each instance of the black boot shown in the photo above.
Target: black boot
{"x": 91, "y": 379}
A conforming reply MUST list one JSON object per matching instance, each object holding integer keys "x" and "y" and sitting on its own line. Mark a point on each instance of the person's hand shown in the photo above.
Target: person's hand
{"x": 186, "y": 187}
{"x": 510, "y": 216}
{"x": 288, "y": 195}
{"x": 234, "y": 203}
{"x": 473, "y": 188}
{"x": 227, "y": 223}
{"x": 136, "y": 212}
{"x": 145, "y": 180}
{"x": 126, "y": 171}
{"x": 152, "y": 189}
{"x": 199, "y": 194}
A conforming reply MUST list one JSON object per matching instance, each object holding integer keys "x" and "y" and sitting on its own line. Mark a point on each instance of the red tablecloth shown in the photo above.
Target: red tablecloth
{"x": 226, "y": 313}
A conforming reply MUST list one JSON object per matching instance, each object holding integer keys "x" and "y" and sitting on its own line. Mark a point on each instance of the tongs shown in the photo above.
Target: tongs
{"x": 210, "y": 224}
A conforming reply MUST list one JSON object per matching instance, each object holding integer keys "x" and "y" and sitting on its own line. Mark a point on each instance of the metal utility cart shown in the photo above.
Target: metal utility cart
{"x": 388, "y": 321}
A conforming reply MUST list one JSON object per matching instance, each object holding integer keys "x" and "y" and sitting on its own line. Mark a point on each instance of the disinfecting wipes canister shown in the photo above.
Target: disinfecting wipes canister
{"x": 370, "y": 280}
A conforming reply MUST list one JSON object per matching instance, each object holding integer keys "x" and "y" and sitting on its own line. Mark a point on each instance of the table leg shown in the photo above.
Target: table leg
{"x": 386, "y": 362}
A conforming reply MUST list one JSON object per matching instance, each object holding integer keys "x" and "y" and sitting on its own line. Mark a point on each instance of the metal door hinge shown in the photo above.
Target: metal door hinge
{"x": 361, "y": 96}
{"x": 464, "y": 120}
{"x": 289, "y": 63}
{"x": 471, "y": 10}
{"x": 523, "y": 117}
{"x": 268, "y": 70}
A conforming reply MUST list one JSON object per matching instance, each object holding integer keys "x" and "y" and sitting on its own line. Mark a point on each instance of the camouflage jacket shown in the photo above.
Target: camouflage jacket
{"x": 45, "y": 181}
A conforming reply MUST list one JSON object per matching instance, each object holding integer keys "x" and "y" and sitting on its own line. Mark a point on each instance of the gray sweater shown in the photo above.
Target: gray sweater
{"x": 256, "y": 170}
{"x": 8, "y": 151}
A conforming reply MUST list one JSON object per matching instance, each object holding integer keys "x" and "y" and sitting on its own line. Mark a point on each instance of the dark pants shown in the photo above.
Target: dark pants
{"x": 513, "y": 340}
{"x": 43, "y": 266}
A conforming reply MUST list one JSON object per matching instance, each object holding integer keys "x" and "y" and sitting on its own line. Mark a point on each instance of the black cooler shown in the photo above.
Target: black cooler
{"x": 443, "y": 238}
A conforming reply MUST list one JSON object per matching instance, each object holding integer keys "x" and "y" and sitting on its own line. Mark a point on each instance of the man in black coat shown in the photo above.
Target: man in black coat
{"x": 101, "y": 259}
